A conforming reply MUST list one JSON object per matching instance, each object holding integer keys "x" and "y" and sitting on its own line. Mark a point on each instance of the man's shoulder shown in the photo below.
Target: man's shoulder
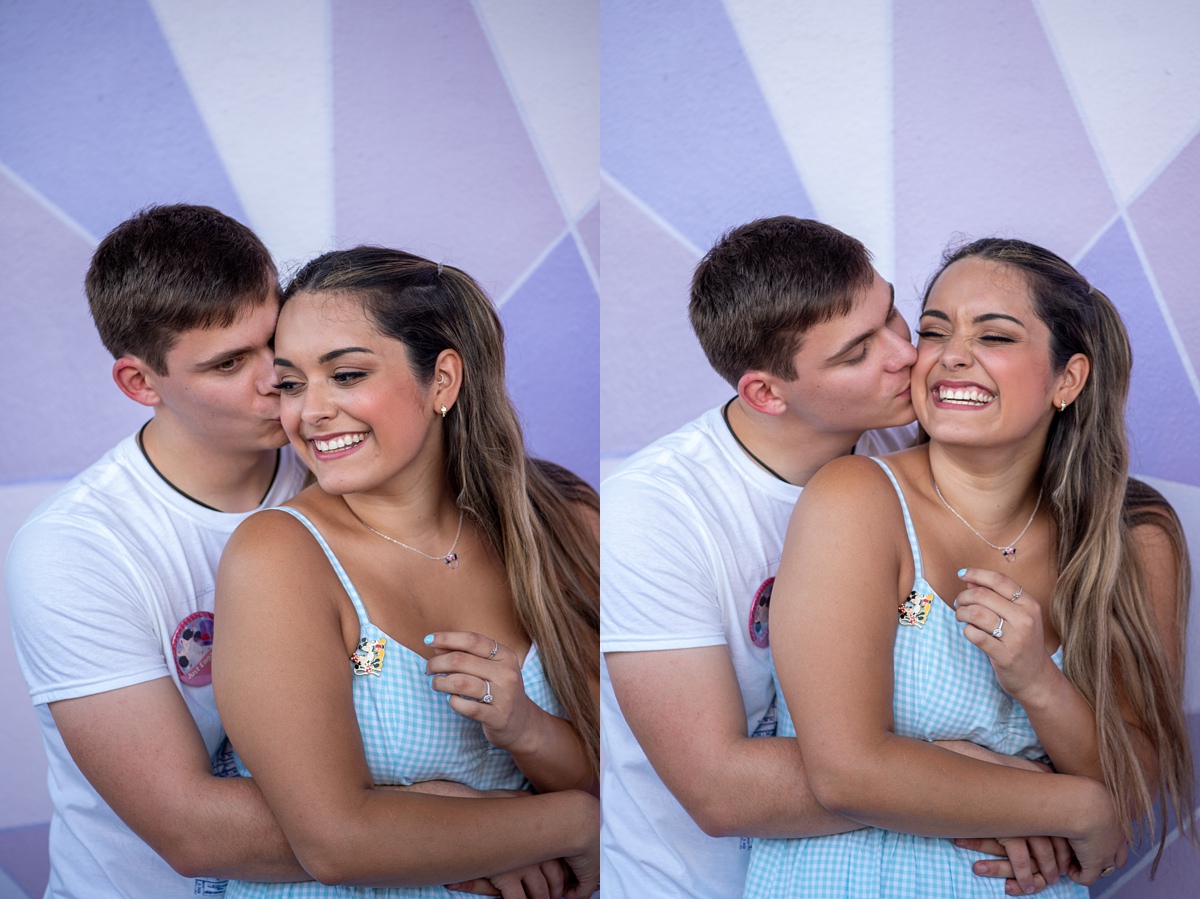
{"x": 87, "y": 515}
{"x": 101, "y": 490}
{"x": 887, "y": 440}
{"x": 687, "y": 453}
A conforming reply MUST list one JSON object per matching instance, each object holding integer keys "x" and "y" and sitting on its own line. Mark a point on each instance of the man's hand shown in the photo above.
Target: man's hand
{"x": 544, "y": 881}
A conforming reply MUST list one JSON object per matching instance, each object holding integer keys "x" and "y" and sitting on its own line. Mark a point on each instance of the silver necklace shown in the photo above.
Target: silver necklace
{"x": 450, "y": 557}
{"x": 1009, "y": 552}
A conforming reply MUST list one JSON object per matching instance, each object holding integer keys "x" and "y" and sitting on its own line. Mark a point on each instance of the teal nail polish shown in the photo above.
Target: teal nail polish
{"x": 429, "y": 638}
{"x": 961, "y": 572}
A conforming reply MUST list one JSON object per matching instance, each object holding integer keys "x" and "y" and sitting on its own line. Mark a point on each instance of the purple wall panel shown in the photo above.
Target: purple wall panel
{"x": 987, "y": 139}
{"x": 1157, "y": 414}
{"x": 48, "y": 335}
{"x": 589, "y": 232}
{"x": 429, "y": 148}
{"x": 683, "y": 123}
{"x": 23, "y": 856}
{"x": 1167, "y": 221}
{"x": 96, "y": 115}
{"x": 552, "y": 325}
{"x": 655, "y": 375}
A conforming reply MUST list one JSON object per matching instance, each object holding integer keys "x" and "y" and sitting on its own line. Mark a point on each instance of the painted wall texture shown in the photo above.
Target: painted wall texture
{"x": 464, "y": 131}
{"x": 525, "y": 141}
{"x": 1070, "y": 123}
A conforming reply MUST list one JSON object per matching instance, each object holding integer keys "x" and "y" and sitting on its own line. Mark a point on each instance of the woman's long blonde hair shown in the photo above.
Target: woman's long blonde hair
{"x": 1112, "y": 649}
{"x": 527, "y": 508}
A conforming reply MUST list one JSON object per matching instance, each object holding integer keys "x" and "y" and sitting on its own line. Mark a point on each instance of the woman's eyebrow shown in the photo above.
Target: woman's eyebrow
{"x": 985, "y": 317}
{"x": 328, "y": 357}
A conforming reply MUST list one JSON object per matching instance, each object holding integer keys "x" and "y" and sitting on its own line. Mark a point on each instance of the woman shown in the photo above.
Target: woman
{"x": 1020, "y": 383}
{"x": 430, "y": 545}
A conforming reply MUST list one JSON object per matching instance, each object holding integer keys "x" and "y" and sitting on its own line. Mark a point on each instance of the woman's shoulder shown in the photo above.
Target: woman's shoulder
{"x": 856, "y": 479}
{"x": 276, "y": 538}
{"x": 858, "y": 491}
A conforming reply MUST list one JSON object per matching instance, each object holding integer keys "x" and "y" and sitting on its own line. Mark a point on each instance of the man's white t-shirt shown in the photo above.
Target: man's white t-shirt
{"x": 110, "y": 583}
{"x": 691, "y": 534}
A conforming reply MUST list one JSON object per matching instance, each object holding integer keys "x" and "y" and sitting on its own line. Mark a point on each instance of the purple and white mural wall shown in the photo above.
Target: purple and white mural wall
{"x": 463, "y": 130}
{"x": 1071, "y": 123}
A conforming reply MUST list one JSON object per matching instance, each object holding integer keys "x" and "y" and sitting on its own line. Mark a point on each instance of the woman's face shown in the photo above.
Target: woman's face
{"x": 348, "y": 400}
{"x": 982, "y": 375}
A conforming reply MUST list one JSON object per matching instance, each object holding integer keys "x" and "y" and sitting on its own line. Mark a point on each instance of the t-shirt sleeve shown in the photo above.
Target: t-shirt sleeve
{"x": 76, "y": 603}
{"x": 657, "y": 584}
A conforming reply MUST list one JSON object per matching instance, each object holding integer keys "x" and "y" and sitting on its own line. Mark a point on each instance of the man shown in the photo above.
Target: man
{"x": 793, "y": 315}
{"x": 110, "y": 582}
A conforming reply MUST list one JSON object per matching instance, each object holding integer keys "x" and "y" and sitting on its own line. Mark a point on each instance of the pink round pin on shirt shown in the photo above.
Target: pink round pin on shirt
{"x": 192, "y": 644}
{"x": 760, "y": 631}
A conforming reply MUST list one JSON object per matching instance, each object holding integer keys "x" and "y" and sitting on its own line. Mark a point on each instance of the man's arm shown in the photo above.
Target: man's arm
{"x": 685, "y": 708}
{"x": 140, "y": 748}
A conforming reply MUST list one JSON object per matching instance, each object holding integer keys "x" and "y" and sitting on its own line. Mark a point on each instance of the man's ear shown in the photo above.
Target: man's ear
{"x": 757, "y": 390}
{"x": 137, "y": 380}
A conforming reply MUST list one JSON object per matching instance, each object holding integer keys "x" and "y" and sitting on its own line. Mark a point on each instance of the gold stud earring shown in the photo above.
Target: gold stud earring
{"x": 444, "y": 410}
{"x": 1062, "y": 405}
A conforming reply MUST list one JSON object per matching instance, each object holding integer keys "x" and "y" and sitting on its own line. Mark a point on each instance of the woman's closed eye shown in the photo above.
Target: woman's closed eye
{"x": 994, "y": 339}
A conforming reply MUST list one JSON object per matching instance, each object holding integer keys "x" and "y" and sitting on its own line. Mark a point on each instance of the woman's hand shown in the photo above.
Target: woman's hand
{"x": 1100, "y": 848}
{"x": 483, "y": 678}
{"x": 1018, "y": 653}
{"x": 585, "y": 864}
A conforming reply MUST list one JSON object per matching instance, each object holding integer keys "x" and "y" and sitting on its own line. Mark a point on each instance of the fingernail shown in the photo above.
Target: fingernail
{"x": 428, "y": 639}
{"x": 961, "y": 572}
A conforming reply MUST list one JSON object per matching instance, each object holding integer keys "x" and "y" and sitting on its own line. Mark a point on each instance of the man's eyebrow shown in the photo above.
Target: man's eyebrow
{"x": 328, "y": 357}
{"x": 224, "y": 356}
{"x": 854, "y": 341}
{"x": 979, "y": 319}
{"x": 850, "y": 344}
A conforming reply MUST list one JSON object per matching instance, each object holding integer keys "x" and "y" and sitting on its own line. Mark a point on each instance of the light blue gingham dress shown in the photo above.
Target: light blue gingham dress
{"x": 945, "y": 689}
{"x": 411, "y": 734}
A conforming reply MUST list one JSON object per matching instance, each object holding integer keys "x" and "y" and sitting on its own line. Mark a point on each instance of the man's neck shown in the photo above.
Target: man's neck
{"x": 784, "y": 445}
{"x": 222, "y": 480}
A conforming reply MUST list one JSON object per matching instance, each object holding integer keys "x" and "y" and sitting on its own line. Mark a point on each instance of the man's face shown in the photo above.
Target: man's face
{"x": 852, "y": 372}
{"x": 219, "y": 386}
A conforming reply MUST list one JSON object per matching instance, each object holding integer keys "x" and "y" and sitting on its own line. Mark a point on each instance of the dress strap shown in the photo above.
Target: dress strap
{"x": 363, "y": 620}
{"x": 918, "y": 568}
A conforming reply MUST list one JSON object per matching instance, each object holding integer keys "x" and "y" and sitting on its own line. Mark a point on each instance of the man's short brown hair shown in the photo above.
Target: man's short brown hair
{"x": 169, "y": 269}
{"x": 763, "y": 285}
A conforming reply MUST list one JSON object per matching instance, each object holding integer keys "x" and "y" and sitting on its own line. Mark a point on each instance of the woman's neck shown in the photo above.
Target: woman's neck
{"x": 991, "y": 489}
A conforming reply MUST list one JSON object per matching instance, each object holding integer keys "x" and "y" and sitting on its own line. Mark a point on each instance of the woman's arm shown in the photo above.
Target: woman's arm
{"x": 544, "y": 746}
{"x": 833, "y": 626}
{"x": 283, "y": 686}
{"x": 1061, "y": 717}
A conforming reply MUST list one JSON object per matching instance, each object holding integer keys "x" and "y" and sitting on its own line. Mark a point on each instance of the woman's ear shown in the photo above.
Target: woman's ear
{"x": 1072, "y": 380}
{"x": 447, "y": 380}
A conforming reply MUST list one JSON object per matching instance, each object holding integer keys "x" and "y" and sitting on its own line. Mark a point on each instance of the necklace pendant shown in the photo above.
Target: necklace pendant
{"x": 1010, "y": 553}
{"x": 451, "y": 559}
